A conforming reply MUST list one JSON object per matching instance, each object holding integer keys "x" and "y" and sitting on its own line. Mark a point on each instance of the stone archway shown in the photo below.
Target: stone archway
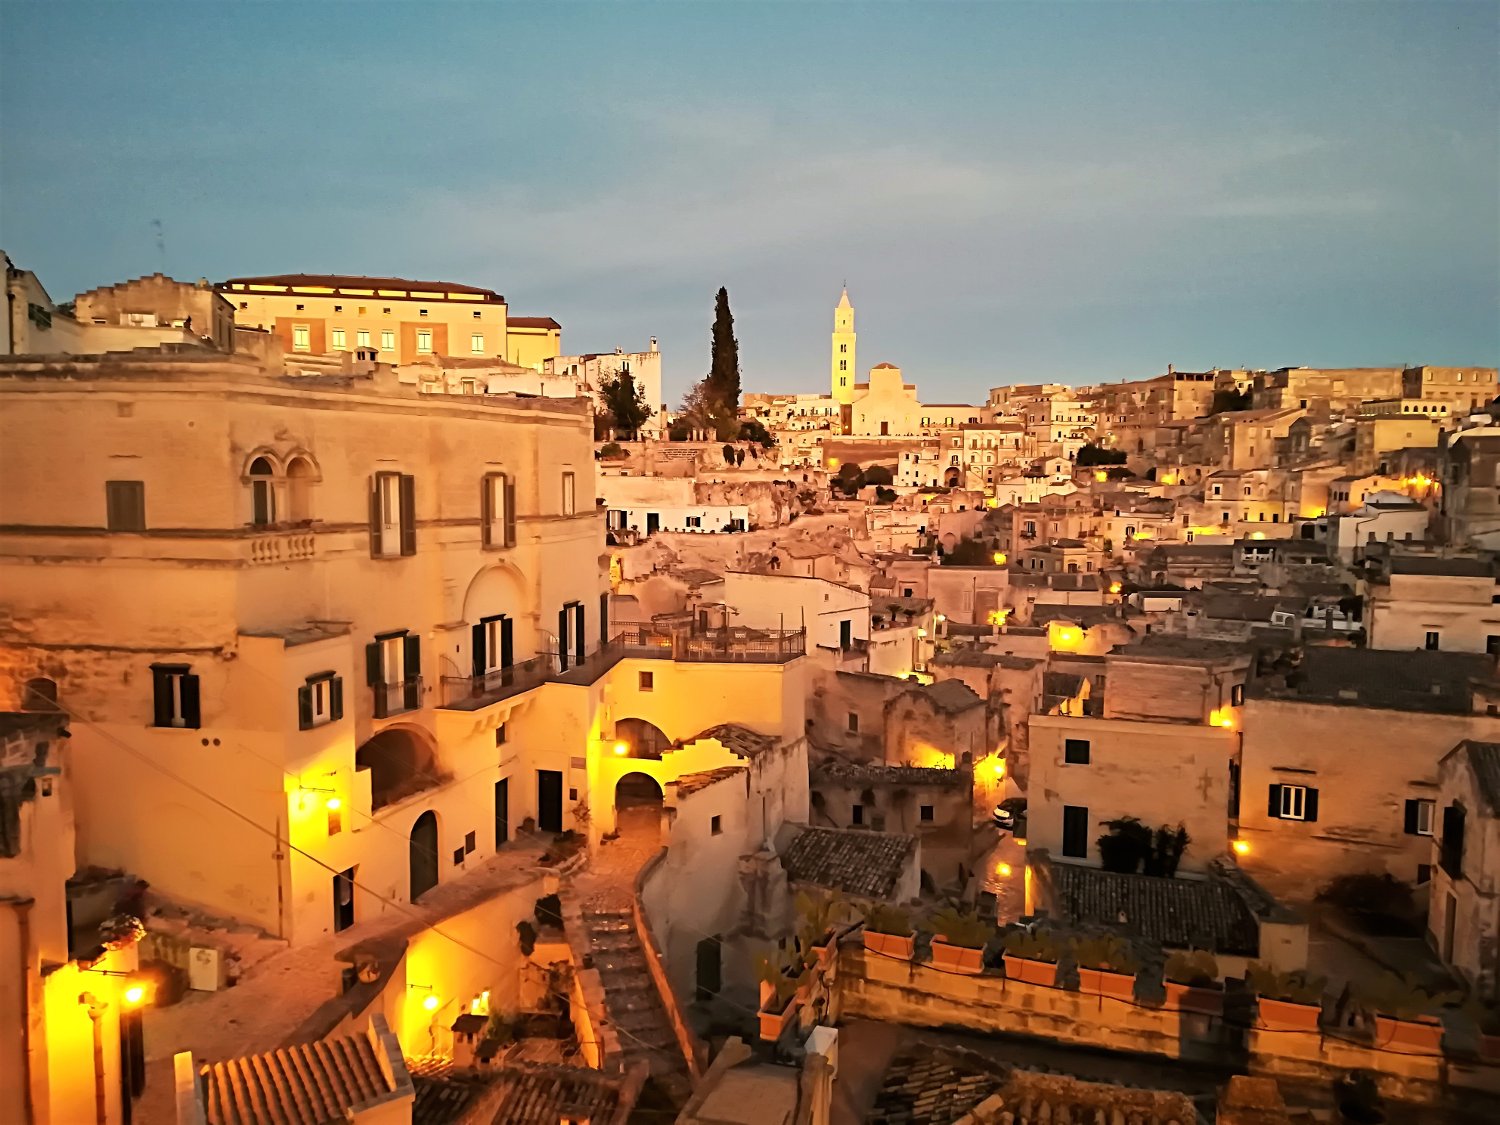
{"x": 424, "y": 854}
{"x": 401, "y": 762}
{"x": 643, "y": 739}
{"x": 951, "y": 478}
{"x": 638, "y": 806}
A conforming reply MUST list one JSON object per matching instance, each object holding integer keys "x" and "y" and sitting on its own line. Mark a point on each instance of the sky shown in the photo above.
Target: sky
{"x": 1013, "y": 192}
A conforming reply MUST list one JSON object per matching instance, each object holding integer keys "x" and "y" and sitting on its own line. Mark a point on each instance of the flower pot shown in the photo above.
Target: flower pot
{"x": 1031, "y": 972}
{"x": 773, "y": 1023}
{"x": 1284, "y": 1015}
{"x": 891, "y": 945}
{"x": 1208, "y": 999}
{"x": 1423, "y": 1035}
{"x": 956, "y": 958}
{"x": 824, "y": 950}
{"x": 1103, "y": 982}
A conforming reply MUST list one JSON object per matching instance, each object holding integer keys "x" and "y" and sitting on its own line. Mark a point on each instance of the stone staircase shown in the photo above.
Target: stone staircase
{"x": 632, "y": 1003}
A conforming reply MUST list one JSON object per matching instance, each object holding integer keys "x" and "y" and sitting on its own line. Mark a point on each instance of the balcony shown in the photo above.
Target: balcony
{"x": 281, "y": 546}
{"x": 470, "y": 693}
{"x": 397, "y": 698}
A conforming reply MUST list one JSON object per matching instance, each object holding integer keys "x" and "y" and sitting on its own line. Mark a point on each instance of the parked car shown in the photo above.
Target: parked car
{"x": 1011, "y": 813}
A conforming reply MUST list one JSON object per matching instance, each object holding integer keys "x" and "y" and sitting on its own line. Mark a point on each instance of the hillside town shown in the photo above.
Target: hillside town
{"x": 410, "y": 723}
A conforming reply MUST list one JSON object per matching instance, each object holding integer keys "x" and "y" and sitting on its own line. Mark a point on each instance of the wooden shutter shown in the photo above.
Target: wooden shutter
{"x": 336, "y": 698}
{"x": 477, "y": 645}
{"x": 375, "y": 518}
{"x": 408, "y": 514}
{"x": 1410, "y": 825}
{"x": 507, "y": 643}
{"x": 603, "y": 620}
{"x": 562, "y": 639}
{"x": 192, "y": 716}
{"x": 413, "y": 660}
{"x": 373, "y": 670}
{"x": 510, "y": 512}
{"x": 486, "y": 509}
{"x": 304, "y": 707}
{"x": 1273, "y": 802}
{"x": 1310, "y": 805}
{"x": 579, "y": 630}
{"x": 161, "y": 697}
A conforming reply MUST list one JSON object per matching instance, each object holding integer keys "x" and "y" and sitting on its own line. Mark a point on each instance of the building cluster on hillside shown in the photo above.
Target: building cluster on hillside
{"x": 378, "y": 746}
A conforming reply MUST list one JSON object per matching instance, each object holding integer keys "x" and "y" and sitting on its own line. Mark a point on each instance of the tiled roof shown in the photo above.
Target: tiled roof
{"x": 951, "y": 696}
{"x": 1447, "y": 568}
{"x": 1201, "y": 913}
{"x": 519, "y": 1095}
{"x": 308, "y": 1084}
{"x": 836, "y": 771}
{"x": 1420, "y": 681}
{"x": 923, "y": 1085}
{"x": 1484, "y": 759}
{"x": 739, "y": 740}
{"x": 864, "y": 864}
{"x": 698, "y": 576}
{"x": 294, "y": 281}
{"x": 531, "y": 322}
{"x": 690, "y": 783}
{"x": 979, "y": 658}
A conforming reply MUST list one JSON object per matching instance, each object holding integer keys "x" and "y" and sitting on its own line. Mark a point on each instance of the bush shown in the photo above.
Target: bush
{"x": 1368, "y": 893}
{"x": 885, "y": 496}
{"x": 958, "y": 928}
{"x": 1107, "y": 953}
{"x": 1031, "y": 946}
{"x": 878, "y": 474}
{"x": 613, "y": 451}
{"x": 527, "y": 933}
{"x": 1092, "y": 454}
{"x": 1196, "y": 967}
{"x": 883, "y": 919}
{"x": 548, "y": 911}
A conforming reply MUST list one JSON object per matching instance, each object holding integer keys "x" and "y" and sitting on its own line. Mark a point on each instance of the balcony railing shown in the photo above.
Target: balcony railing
{"x": 469, "y": 693}
{"x": 398, "y": 698}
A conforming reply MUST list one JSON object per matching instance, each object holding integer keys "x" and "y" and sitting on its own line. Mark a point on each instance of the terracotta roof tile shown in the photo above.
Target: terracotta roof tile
{"x": 864, "y": 864}
{"x": 335, "y": 281}
{"x": 531, "y": 322}
{"x": 739, "y": 740}
{"x": 690, "y": 783}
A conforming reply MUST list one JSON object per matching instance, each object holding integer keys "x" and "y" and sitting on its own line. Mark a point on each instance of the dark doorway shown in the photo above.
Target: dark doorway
{"x": 424, "y": 855}
{"x": 885, "y": 429}
{"x": 549, "y": 791}
{"x": 343, "y": 900}
{"x": 653, "y": 523}
{"x": 502, "y": 812}
{"x": 846, "y": 634}
{"x": 710, "y": 968}
{"x": 579, "y": 624}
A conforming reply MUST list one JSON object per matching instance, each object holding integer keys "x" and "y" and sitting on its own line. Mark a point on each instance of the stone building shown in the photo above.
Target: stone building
{"x": 1463, "y": 921}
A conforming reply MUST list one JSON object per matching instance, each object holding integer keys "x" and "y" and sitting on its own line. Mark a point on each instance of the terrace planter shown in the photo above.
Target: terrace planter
{"x": 1284, "y": 1015}
{"x": 956, "y": 958}
{"x": 825, "y": 949}
{"x": 1422, "y": 1035}
{"x": 899, "y": 946}
{"x": 773, "y": 1023}
{"x": 1208, "y": 1000}
{"x": 1102, "y": 982}
{"x": 1031, "y": 972}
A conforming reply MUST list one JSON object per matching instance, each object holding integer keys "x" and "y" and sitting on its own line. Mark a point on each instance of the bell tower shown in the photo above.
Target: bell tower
{"x": 844, "y": 370}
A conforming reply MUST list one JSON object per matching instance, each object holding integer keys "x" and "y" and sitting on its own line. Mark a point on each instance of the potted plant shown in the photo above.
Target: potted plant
{"x": 888, "y": 931}
{"x": 1031, "y": 957}
{"x": 1406, "y": 1014}
{"x": 1192, "y": 982}
{"x": 1106, "y": 967}
{"x": 119, "y": 931}
{"x": 1287, "y": 1001}
{"x": 821, "y": 916}
{"x": 958, "y": 941}
{"x": 778, "y": 995}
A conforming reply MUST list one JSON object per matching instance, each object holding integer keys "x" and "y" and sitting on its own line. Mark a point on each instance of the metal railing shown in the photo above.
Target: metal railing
{"x": 463, "y": 693}
{"x": 397, "y": 698}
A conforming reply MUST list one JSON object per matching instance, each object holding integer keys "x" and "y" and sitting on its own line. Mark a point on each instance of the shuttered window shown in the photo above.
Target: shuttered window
{"x": 493, "y": 644}
{"x": 174, "y": 697}
{"x": 1292, "y": 802}
{"x": 320, "y": 700}
{"x": 1418, "y": 817}
{"x": 393, "y": 669}
{"x": 393, "y": 524}
{"x": 497, "y": 500}
{"x": 125, "y": 505}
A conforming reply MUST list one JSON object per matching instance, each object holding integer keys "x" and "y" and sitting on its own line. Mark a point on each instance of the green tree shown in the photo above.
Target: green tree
{"x": 753, "y": 429}
{"x": 722, "y": 385}
{"x": 624, "y": 400}
{"x": 1092, "y": 454}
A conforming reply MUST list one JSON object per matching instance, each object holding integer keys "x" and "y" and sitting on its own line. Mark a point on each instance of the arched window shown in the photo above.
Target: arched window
{"x": 262, "y": 493}
{"x": 300, "y": 477}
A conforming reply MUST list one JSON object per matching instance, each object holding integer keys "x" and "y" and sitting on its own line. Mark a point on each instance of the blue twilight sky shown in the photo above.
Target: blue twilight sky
{"x": 1014, "y": 192}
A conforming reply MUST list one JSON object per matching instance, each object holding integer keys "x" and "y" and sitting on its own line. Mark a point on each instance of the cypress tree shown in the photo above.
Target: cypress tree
{"x": 724, "y": 374}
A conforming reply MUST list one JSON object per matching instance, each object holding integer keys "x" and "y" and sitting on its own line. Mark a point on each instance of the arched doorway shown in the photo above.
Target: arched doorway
{"x": 638, "y": 803}
{"x": 643, "y": 739}
{"x": 951, "y": 478}
{"x": 424, "y": 854}
{"x": 400, "y": 762}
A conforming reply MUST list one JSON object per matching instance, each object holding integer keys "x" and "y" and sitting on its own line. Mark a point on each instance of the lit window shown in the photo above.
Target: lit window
{"x": 387, "y": 341}
{"x": 476, "y": 343}
{"x": 424, "y": 343}
{"x": 1419, "y": 812}
{"x": 362, "y": 338}
{"x": 301, "y": 340}
{"x": 1294, "y": 802}
{"x": 338, "y": 339}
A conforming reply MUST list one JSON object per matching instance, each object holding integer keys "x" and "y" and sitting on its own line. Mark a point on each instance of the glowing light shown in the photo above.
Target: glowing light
{"x": 1101, "y": 476}
{"x": 430, "y": 1003}
{"x": 1169, "y": 478}
{"x": 1021, "y": 841}
{"x": 1241, "y": 847}
{"x": 1114, "y": 587}
{"x": 333, "y": 804}
{"x": 940, "y": 618}
{"x": 135, "y": 994}
{"x": 1003, "y": 870}
{"x": 998, "y": 616}
{"x": 999, "y": 767}
{"x": 1257, "y": 535}
{"x": 833, "y": 462}
{"x": 921, "y": 632}
{"x": 1000, "y": 558}
{"x": 1221, "y": 717}
{"x": 621, "y": 749}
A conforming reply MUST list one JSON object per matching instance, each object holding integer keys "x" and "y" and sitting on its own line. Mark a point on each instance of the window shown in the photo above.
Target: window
{"x": 1076, "y": 751}
{"x": 497, "y": 500}
{"x": 500, "y": 735}
{"x": 693, "y": 521}
{"x": 262, "y": 493}
{"x": 1419, "y": 815}
{"x": 386, "y": 311}
{"x": 339, "y": 337}
{"x": 843, "y": 365}
{"x": 421, "y": 312}
{"x": 174, "y": 696}
{"x": 335, "y": 821}
{"x": 393, "y": 527}
{"x": 476, "y": 314}
{"x": 362, "y": 338}
{"x": 925, "y": 812}
{"x": 856, "y": 814}
{"x": 1492, "y": 644}
{"x": 569, "y": 499}
{"x": 458, "y": 857}
{"x": 853, "y": 722}
{"x": 301, "y": 308}
{"x": 716, "y": 826}
{"x": 1434, "y": 639}
{"x": 1451, "y": 846}
{"x": 393, "y": 668}
{"x": 844, "y": 348}
{"x": 493, "y": 644}
{"x": 1236, "y": 695}
{"x": 387, "y": 341}
{"x": 1292, "y": 802}
{"x": 1424, "y": 873}
{"x": 1075, "y": 841}
{"x": 476, "y": 343}
{"x": 301, "y": 340}
{"x": 320, "y": 700}
{"x": 424, "y": 342}
{"x": 469, "y": 842}
{"x": 125, "y": 505}
{"x": 646, "y": 681}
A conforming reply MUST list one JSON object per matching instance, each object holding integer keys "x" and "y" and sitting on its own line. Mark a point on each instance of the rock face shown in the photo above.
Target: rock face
{"x": 771, "y": 503}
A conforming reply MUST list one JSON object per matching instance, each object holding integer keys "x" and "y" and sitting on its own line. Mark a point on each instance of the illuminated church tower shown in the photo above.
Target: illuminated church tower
{"x": 843, "y": 350}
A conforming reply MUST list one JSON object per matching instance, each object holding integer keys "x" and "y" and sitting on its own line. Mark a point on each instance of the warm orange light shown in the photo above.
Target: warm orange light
{"x": 1003, "y": 870}
{"x": 921, "y": 632}
{"x": 1257, "y": 535}
{"x": 1169, "y": 478}
{"x": 621, "y": 749}
{"x": 1020, "y": 841}
{"x": 135, "y": 994}
{"x": 1114, "y": 587}
{"x": 333, "y": 804}
{"x": 430, "y": 1003}
{"x": 999, "y": 767}
{"x": 1241, "y": 847}
{"x": 1101, "y": 476}
{"x": 1000, "y": 558}
{"x": 940, "y": 618}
